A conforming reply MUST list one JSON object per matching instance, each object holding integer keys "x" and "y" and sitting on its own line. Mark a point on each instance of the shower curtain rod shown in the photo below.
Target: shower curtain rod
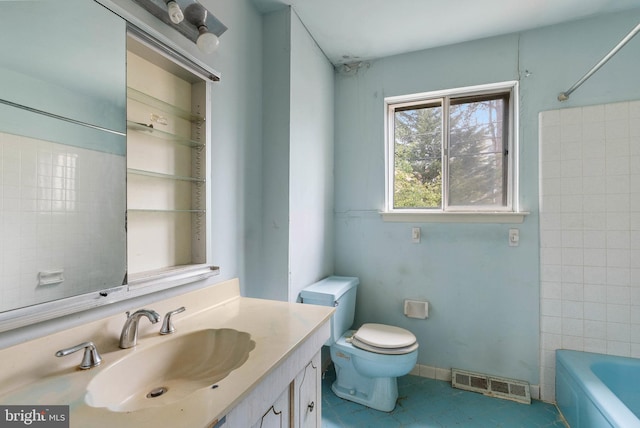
{"x": 563, "y": 96}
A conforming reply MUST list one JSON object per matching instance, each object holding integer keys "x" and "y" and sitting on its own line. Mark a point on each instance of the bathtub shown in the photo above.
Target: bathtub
{"x": 595, "y": 390}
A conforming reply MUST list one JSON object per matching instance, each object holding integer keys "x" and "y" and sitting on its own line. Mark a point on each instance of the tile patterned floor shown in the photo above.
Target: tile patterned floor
{"x": 428, "y": 403}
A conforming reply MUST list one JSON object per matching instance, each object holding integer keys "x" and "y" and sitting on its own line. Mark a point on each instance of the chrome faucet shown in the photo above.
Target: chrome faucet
{"x": 129, "y": 335}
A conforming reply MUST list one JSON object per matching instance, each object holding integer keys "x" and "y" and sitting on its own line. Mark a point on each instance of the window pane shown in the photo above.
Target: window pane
{"x": 476, "y": 180}
{"x": 418, "y": 157}
{"x": 476, "y": 167}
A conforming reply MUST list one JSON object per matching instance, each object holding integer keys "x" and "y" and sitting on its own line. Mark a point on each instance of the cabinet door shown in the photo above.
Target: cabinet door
{"x": 308, "y": 396}
{"x": 65, "y": 58}
{"x": 277, "y": 416}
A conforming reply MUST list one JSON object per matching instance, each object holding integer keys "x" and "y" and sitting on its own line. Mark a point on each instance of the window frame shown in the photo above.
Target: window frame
{"x": 487, "y": 213}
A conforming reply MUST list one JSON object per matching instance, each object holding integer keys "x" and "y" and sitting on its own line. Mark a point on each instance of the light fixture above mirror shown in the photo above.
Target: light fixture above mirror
{"x": 175, "y": 13}
{"x": 190, "y": 18}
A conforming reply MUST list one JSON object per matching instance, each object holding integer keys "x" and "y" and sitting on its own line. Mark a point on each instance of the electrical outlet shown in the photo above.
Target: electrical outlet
{"x": 415, "y": 235}
{"x": 514, "y": 237}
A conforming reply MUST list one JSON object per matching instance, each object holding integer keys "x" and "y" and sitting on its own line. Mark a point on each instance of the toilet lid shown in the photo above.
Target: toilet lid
{"x": 387, "y": 351}
{"x": 384, "y": 336}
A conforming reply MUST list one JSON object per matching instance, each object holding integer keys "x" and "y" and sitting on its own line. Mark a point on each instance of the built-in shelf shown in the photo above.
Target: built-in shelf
{"x": 147, "y": 210}
{"x": 136, "y": 95}
{"x": 167, "y": 160}
{"x": 181, "y": 274}
{"x": 163, "y": 135}
{"x": 165, "y": 176}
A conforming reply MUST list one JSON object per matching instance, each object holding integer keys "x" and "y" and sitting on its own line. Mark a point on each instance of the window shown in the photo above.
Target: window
{"x": 452, "y": 151}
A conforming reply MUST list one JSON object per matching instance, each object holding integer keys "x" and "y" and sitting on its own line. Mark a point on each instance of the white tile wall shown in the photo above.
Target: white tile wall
{"x": 589, "y": 233}
{"x": 61, "y": 207}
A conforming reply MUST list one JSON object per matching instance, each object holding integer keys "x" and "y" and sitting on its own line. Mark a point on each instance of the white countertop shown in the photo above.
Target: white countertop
{"x": 32, "y": 375}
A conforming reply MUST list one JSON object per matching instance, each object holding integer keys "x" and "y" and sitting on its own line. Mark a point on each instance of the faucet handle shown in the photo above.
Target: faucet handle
{"x": 91, "y": 356}
{"x": 167, "y": 324}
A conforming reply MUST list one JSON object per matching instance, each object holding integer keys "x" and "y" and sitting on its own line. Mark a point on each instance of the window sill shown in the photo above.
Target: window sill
{"x": 453, "y": 217}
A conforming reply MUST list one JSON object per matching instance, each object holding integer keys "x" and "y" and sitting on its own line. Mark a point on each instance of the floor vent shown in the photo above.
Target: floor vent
{"x": 493, "y": 386}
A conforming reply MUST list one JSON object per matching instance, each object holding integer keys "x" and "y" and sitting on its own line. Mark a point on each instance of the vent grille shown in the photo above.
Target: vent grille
{"x": 493, "y": 386}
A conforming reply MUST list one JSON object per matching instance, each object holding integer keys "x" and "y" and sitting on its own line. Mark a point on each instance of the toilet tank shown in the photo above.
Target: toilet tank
{"x": 337, "y": 291}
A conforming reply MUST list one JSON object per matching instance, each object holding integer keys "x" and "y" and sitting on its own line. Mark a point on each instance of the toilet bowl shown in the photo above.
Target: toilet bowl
{"x": 368, "y": 360}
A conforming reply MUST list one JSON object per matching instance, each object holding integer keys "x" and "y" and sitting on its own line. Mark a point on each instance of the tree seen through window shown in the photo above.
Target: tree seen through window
{"x": 468, "y": 160}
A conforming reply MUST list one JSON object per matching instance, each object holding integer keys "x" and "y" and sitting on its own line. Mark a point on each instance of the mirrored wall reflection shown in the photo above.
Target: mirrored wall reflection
{"x": 65, "y": 58}
{"x": 61, "y": 221}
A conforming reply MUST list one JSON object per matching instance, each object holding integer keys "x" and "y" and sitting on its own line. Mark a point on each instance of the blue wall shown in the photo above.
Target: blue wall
{"x": 311, "y": 194}
{"x": 484, "y": 294}
{"x": 297, "y": 161}
{"x": 236, "y": 141}
{"x": 276, "y": 106}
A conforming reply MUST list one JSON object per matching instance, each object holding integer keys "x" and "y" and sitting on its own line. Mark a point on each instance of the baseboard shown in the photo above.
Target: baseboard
{"x": 431, "y": 372}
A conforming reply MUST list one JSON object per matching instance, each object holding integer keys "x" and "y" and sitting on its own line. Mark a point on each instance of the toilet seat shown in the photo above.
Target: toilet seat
{"x": 384, "y": 339}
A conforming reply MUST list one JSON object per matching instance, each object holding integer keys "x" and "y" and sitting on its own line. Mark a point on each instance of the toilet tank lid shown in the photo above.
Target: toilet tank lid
{"x": 329, "y": 289}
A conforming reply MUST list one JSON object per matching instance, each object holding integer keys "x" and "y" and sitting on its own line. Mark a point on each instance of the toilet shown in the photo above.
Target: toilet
{"x": 368, "y": 360}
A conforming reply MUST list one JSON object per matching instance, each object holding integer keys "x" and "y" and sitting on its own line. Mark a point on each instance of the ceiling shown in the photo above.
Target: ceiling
{"x": 354, "y": 30}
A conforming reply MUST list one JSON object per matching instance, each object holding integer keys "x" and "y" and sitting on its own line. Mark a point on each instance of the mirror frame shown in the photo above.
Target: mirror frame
{"x": 28, "y": 315}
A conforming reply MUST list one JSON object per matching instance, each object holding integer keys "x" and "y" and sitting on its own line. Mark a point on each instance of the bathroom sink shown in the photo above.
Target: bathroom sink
{"x": 169, "y": 370}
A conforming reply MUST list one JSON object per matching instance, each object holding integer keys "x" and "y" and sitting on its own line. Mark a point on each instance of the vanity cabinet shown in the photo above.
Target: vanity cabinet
{"x": 298, "y": 388}
{"x": 281, "y": 348}
{"x": 278, "y": 415}
{"x": 307, "y": 395}
{"x": 298, "y": 406}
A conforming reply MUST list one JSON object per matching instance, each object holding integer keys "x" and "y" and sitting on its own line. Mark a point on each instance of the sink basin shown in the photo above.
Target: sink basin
{"x": 169, "y": 370}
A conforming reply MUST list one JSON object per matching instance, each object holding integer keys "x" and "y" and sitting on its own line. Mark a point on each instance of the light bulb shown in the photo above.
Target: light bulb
{"x": 207, "y": 42}
{"x": 175, "y": 13}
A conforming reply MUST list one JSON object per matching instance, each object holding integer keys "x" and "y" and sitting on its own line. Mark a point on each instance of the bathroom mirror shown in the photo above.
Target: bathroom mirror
{"x": 62, "y": 153}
